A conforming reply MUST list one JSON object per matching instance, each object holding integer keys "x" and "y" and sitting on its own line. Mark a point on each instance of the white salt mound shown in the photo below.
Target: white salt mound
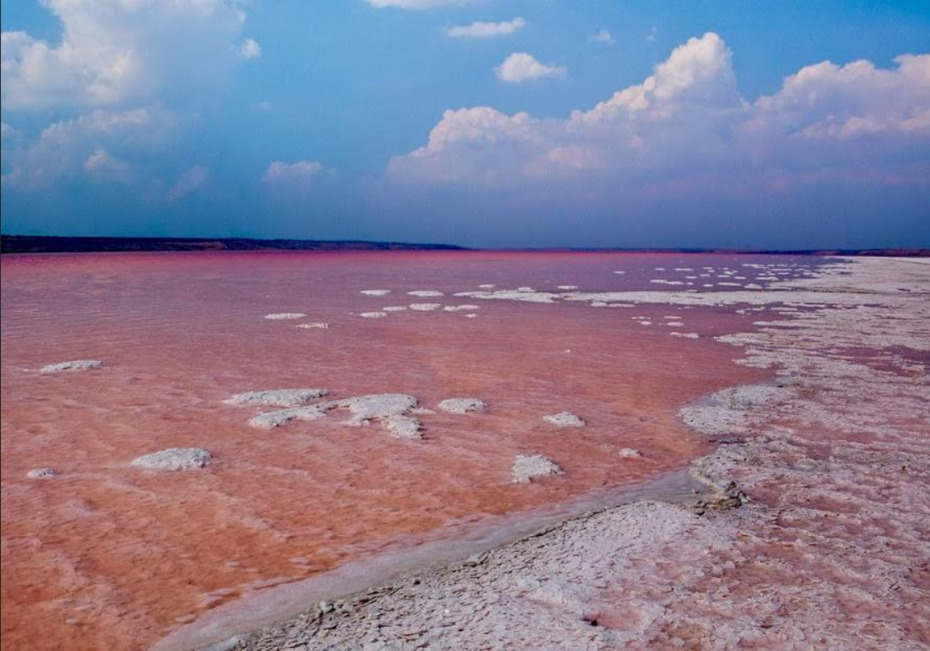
{"x": 373, "y": 315}
{"x": 403, "y": 427}
{"x": 460, "y": 308}
{"x": 629, "y": 453}
{"x": 373, "y": 406}
{"x": 280, "y": 316}
{"x": 174, "y": 459}
{"x": 393, "y": 308}
{"x": 376, "y": 292}
{"x": 567, "y": 287}
{"x": 73, "y": 365}
{"x": 463, "y": 405}
{"x": 275, "y": 397}
{"x": 314, "y": 324}
{"x": 425, "y": 307}
{"x": 425, "y": 293}
{"x": 272, "y": 419}
{"x": 528, "y": 466}
{"x": 41, "y": 473}
{"x": 564, "y": 419}
{"x": 486, "y": 286}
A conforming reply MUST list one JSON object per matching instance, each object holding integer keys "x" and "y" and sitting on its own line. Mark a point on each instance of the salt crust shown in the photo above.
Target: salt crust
{"x": 314, "y": 324}
{"x": 564, "y": 419}
{"x": 275, "y": 397}
{"x": 42, "y": 473}
{"x": 527, "y": 467}
{"x": 373, "y": 315}
{"x": 425, "y": 293}
{"x": 376, "y": 292}
{"x": 833, "y": 458}
{"x": 73, "y": 365}
{"x": 463, "y": 405}
{"x": 174, "y": 459}
{"x": 425, "y": 307}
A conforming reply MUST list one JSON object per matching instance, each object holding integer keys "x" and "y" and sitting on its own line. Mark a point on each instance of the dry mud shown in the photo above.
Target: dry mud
{"x": 828, "y": 464}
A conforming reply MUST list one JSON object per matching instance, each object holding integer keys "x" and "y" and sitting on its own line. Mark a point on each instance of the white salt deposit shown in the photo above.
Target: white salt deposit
{"x": 275, "y": 397}
{"x": 73, "y": 365}
{"x": 568, "y": 287}
{"x": 403, "y": 427}
{"x": 486, "y": 286}
{"x": 564, "y": 419}
{"x": 619, "y": 272}
{"x": 470, "y": 316}
{"x": 373, "y": 406}
{"x": 373, "y": 315}
{"x": 629, "y": 453}
{"x": 376, "y": 292}
{"x": 425, "y": 293}
{"x": 393, "y": 308}
{"x": 272, "y": 419}
{"x": 41, "y": 473}
{"x": 463, "y": 405}
{"x": 280, "y": 316}
{"x": 313, "y": 324}
{"x": 174, "y": 459}
{"x": 526, "y": 467}
{"x": 687, "y": 335}
{"x": 425, "y": 307}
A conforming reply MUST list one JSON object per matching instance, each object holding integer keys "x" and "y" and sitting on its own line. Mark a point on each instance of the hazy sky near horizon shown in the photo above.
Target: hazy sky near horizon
{"x": 484, "y": 123}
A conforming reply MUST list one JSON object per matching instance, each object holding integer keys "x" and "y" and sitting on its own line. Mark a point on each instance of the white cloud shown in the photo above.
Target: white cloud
{"x": 520, "y": 67}
{"x": 480, "y": 29}
{"x": 118, "y": 52}
{"x": 63, "y": 148}
{"x": 298, "y": 175}
{"x": 101, "y": 166}
{"x": 250, "y": 49}
{"x": 188, "y": 182}
{"x": 602, "y": 36}
{"x": 687, "y": 126}
{"x": 651, "y": 34}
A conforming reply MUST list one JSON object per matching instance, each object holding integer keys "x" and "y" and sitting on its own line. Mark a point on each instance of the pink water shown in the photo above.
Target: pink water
{"x": 110, "y": 556}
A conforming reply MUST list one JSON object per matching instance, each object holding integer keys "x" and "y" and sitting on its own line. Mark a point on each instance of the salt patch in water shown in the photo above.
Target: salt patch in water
{"x": 282, "y": 316}
{"x": 463, "y": 405}
{"x": 527, "y": 467}
{"x": 564, "y": 419}
{"x": 73, "y": 365}
{"x": 275, "y": 397}
{"x": 173, "y": 459}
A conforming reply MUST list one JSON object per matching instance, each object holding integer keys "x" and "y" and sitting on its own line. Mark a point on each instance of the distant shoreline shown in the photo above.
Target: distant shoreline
{"x": 95, "y": 244}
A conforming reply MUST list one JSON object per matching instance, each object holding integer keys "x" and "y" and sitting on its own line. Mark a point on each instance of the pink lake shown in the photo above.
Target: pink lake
{"x": 110, "y": 556}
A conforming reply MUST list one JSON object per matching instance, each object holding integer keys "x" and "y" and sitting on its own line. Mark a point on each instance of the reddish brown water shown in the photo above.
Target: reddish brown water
{"x": 110, "y": 556}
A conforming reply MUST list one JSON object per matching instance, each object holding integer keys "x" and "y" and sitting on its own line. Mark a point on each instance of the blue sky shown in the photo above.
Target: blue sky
{"x": 487, "y": 123}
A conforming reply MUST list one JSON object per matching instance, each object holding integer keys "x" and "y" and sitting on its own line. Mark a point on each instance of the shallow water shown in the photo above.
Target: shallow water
{"x": 106, "y": 555}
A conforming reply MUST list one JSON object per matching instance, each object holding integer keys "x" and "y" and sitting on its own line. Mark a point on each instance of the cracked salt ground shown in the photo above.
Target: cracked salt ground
{"x": 830, "y": 551}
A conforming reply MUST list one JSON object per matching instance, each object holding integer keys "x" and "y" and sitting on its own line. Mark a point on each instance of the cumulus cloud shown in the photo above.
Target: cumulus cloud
{"x": 117, "y": 52}
{"x": 298, "y": 175}
{"x": 100, "y": 166}
{"x": 250, "y": 49}
{"x": 520, "y": 67}
{"x": 65, "y": 148}
{"x": 686, "y": 125}
{"x": 602, "y": 36}
{"x": 480, "y": 29}
{"x": 188, "y": 182}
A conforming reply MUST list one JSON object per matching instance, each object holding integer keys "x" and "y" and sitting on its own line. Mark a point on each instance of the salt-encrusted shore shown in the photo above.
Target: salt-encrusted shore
{"x": 828, "y": 465}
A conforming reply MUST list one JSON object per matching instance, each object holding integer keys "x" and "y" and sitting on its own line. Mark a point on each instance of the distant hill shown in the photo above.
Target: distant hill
{"x": 54, "y": 244}
{"x": 57, "y": 244}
